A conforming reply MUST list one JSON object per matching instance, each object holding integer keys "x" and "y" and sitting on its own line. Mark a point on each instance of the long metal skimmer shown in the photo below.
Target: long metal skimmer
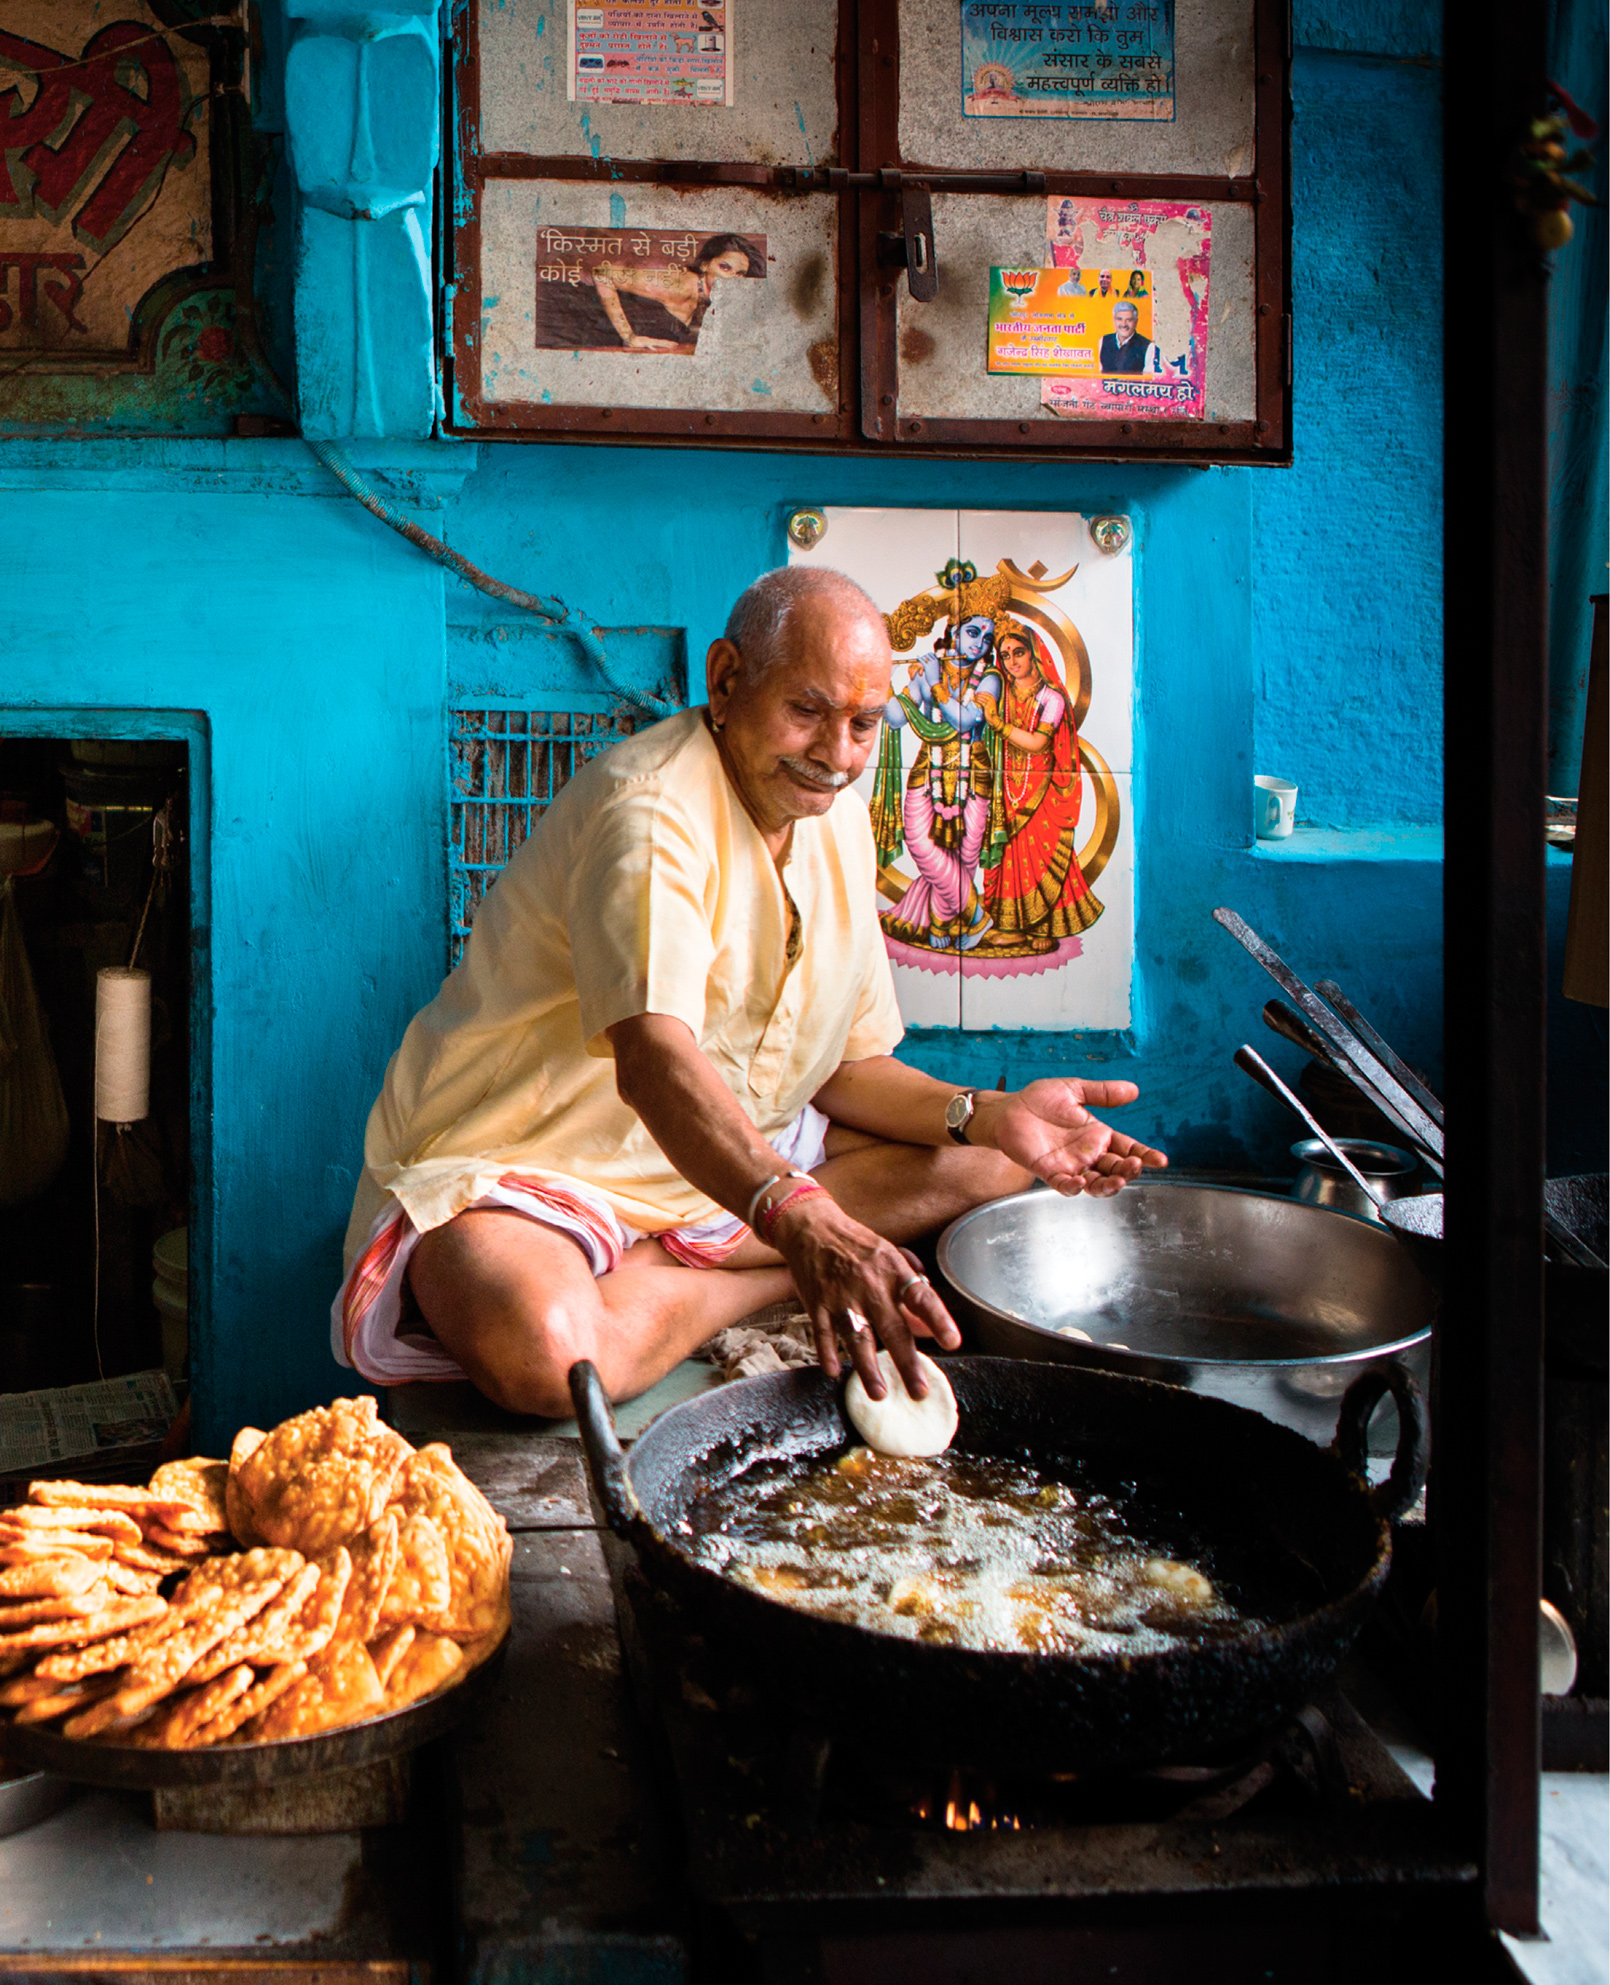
{"x": 1329, "y": 989}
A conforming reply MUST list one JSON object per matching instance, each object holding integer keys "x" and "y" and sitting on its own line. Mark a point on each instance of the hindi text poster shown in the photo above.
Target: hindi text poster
{"x": 1068, "y": 58}
{"x": 1136, "y": 274}
{"x": 650, "y": 52}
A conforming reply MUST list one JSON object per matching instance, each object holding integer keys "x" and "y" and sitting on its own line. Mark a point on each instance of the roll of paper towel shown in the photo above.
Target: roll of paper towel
{"x": 122, "y": 1044}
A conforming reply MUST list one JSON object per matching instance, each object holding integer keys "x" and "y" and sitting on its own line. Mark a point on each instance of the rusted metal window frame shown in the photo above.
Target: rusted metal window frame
{"x": 866, "y": 421}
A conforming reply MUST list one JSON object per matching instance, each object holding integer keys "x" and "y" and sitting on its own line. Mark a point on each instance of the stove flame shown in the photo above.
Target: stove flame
{"x": 963, "y": 1813}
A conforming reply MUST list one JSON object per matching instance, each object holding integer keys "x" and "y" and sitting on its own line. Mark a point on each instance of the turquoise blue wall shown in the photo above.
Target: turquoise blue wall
{"x": 1288, "y": 622}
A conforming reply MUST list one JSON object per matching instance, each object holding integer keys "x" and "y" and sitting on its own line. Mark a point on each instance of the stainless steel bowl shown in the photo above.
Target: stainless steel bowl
{"x": 1322, "y": 1182}
{"x": 1260, "y": 1300}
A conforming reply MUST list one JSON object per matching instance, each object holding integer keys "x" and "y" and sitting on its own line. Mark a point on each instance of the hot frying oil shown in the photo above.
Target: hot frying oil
{"x": 964, "y": 1550}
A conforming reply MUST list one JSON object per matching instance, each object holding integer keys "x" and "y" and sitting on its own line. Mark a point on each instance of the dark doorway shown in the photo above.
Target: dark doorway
{"x": 81, "y": 1296}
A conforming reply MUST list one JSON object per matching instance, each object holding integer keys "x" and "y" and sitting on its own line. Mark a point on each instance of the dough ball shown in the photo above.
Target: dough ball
{"x": 897, "y": 1423}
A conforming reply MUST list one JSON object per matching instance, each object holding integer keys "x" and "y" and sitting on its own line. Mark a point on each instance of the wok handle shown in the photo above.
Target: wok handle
{"x": 606, "y": 1459}
{"x": 1390, "y": 1498}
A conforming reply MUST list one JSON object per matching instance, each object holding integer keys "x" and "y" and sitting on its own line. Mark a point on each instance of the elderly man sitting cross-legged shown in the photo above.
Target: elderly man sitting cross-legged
{"x": 659, "y": 1092}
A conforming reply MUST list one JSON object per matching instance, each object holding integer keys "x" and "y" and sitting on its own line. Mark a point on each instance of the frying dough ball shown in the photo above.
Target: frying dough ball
{"x": 897, "y": 1423}
{"x": 1182, "y": 1582}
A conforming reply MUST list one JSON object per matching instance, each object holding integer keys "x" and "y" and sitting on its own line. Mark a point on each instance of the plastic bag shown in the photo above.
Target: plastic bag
{"x": 33, "y": 1111}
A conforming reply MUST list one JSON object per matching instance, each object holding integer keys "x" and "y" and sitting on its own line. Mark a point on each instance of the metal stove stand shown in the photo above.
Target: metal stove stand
{"x": 808, "y": 1858}
{"x": 630, "y": 1806}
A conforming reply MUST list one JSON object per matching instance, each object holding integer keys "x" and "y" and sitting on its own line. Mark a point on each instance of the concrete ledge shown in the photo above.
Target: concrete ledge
{"x": 420, "y": 475}
{"x": 1354, "y": 844}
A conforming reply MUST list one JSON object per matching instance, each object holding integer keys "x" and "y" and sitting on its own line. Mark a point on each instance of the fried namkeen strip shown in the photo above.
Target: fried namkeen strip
{"x": 242, "y": 1710}
{"x": 319, "y": 1479}
{"x": 389, "y": 1649}
{"x": 340, "y": 1688}
{"x": 58, "y": 1698}
{"x": 116, "y": 1618}
{"x": 247, "y": 1441}
{"x": 63, "y": 1606}
{"x": 114, "y": 1523}
{"x": 42, "y": 1578}
{"x": 478, "y": 1544}
{"x": 429, "y": 1661}
{"x": 174, "y": 1725}
{"x": 266, "y": 1637}
{"x": 199, "y": 1484}
{"x": 21, "y": 1547}
{"x": 421, "y": 1585}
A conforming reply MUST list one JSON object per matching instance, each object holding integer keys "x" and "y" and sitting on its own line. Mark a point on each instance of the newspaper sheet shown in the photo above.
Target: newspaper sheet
{"x": 38, "y": 1429}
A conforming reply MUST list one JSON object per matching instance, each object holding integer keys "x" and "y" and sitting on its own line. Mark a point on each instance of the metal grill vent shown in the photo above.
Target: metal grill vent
{"x": 504, "y": 769}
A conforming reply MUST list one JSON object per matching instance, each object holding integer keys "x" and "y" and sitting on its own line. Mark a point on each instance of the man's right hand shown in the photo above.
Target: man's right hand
{"x": 852, "y": 1280}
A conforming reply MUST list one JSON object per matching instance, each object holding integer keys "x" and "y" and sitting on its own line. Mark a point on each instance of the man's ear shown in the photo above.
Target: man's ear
{"x": 722, "y": 667}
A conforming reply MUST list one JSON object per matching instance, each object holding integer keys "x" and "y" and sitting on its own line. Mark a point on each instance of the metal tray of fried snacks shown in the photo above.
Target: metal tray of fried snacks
{"x": 93, "y": 1761}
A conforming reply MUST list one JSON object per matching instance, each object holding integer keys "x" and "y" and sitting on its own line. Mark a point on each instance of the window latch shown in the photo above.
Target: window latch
{"x": 912, "y": 249}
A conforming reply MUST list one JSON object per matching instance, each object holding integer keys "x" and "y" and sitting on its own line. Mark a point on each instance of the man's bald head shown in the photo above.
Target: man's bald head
{"x": 798, "y": 686}
{"x": 764, "y": 622}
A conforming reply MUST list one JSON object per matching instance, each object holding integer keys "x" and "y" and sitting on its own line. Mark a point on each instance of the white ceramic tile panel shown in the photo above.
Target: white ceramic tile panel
{"x": 1089, "y": 990}
{"x": 893, "y": 555}
{"x": 1099, "y": 600}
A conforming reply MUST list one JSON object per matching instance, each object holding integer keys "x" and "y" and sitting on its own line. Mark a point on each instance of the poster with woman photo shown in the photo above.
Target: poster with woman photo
{"x": 635, "y": 289}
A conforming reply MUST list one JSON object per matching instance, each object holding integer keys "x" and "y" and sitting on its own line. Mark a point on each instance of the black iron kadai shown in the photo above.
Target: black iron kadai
{"x": 1299, "y": 1523}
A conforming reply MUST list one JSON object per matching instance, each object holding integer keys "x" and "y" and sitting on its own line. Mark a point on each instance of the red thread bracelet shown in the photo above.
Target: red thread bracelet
{"x": 769, "y": 1213}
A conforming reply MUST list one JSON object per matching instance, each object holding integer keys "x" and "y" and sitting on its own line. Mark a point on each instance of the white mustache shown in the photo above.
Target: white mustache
{"x": 814, "y": 775}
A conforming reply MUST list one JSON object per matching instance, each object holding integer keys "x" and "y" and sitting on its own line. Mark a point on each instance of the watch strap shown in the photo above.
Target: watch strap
{"x": 958, "y": 1131}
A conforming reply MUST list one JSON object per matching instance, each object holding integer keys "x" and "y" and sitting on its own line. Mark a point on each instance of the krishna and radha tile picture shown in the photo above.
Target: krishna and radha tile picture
{"x": 1000, "y": 789}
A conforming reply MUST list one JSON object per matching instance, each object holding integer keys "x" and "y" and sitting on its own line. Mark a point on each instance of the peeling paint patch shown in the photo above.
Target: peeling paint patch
{"x": 617, "y": 210}
{"x": 760, "y": 386}
{"x": 810, "y": 156}
{"x": 542, "y": 24}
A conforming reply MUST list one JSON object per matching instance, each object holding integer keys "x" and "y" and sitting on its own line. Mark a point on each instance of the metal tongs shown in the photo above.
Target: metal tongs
{"x": 1337, "y": 1034}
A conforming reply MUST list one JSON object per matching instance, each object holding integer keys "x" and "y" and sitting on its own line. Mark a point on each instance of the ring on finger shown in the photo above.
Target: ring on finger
{"x": 855, "y": 1320}
{"x": 911, "y": 1282}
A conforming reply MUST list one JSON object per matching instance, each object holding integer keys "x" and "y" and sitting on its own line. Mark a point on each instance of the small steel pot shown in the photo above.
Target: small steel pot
{"x": 1322, "y": 1182}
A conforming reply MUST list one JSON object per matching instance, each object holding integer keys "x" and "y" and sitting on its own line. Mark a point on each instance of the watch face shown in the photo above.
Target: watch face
{"x": 958, "y": 1110}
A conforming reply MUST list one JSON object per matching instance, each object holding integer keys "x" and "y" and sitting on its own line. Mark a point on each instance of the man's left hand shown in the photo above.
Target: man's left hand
{"x": 1047, "y": 1128}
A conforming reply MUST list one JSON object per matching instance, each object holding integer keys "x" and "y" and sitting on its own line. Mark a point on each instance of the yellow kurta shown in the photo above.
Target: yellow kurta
{"x": 645, "y": 888}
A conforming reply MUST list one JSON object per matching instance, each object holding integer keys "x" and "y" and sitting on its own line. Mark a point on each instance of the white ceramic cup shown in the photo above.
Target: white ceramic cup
{"x": 1274, "y": 803}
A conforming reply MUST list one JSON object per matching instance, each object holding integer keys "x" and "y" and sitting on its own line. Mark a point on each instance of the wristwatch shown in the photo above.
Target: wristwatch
{"x": 959, "y": 1114}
